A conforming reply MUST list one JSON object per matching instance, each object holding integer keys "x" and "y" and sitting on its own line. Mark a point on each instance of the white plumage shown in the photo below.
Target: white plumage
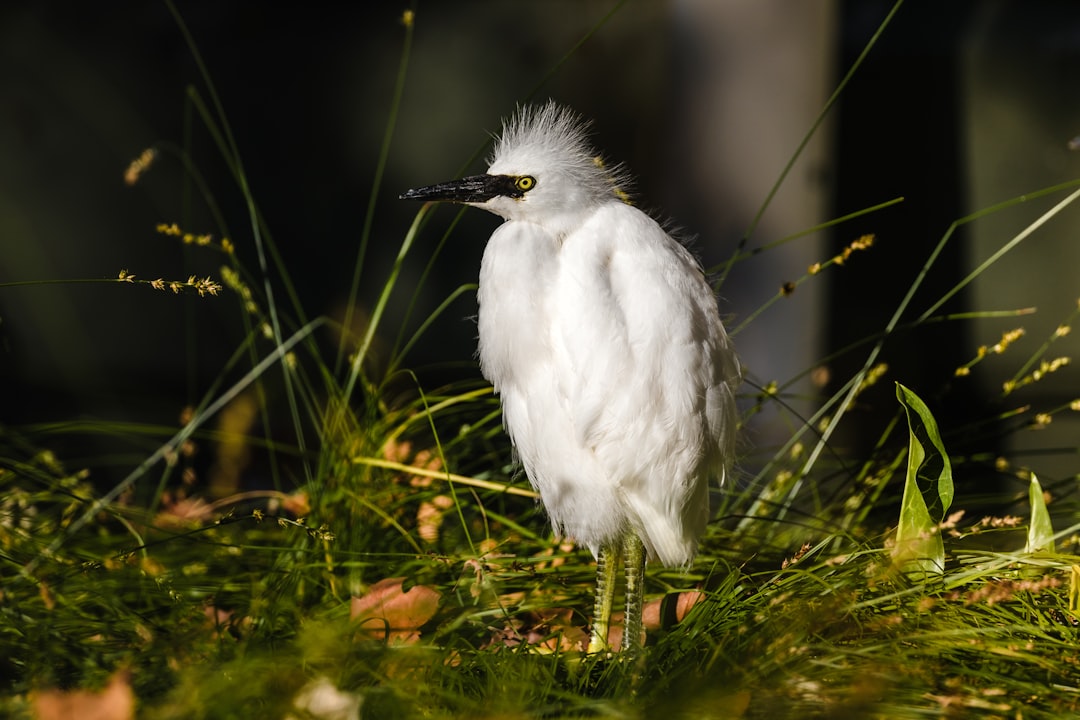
{"x": 602, "y": 337}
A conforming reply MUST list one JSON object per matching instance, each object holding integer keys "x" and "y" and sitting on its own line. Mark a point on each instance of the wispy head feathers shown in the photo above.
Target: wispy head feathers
{"x": 553, "y": 140}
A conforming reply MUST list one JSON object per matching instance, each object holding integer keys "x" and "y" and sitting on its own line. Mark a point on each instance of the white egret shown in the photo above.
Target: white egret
{"x": 602, "y": 337}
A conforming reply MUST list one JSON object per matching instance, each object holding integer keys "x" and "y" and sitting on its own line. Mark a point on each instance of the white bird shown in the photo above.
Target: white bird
{"x": 602, "y": 336}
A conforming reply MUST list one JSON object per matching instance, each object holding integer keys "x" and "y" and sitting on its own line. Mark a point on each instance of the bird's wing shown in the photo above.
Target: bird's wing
{"x": 646, "y": 370}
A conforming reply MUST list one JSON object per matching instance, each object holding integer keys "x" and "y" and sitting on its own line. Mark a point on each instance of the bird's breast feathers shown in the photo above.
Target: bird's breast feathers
{"x": 616, "y": 317}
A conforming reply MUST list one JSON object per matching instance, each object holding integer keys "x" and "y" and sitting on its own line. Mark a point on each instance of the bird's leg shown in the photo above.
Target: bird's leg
{"x": 607, "y": 565}
{"x": 634, "y": 559}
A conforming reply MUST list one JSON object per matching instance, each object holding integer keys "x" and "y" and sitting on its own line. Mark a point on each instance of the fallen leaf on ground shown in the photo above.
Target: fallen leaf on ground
{"x": 652, "y": 618}
{"x": 388, "y": 611}
{"x": 115, "y": 701}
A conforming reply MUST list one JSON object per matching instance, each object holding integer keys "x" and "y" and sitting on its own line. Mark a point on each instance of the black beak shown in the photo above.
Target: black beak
{"x": 474, "y": 189}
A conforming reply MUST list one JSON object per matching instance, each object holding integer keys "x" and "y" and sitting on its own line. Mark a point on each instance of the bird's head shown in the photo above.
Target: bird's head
{"x": 542, "y": 170}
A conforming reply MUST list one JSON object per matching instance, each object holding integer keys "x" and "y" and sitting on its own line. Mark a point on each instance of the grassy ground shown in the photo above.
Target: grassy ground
{"x": 396, "y": 564}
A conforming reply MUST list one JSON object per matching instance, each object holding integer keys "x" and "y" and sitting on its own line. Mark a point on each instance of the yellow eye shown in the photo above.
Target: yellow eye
{"x": 525, "y": 183}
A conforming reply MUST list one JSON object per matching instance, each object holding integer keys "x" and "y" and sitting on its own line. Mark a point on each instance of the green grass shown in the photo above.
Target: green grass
{"x": 232, "y": 604}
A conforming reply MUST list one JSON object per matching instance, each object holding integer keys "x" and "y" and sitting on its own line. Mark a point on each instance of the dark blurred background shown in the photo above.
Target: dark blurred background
{"x": 959, "y": 106}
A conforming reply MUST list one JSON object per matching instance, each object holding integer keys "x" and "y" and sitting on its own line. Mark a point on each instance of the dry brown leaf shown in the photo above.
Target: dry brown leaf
{"x": 429, "y": 517}
{"x": 615, "y": 632}
{"x": 185, "y": 513}
{"x": 425, "y": 460}
{"x": 395, "y": 451}
{"x": 544, "y": 630}
{"x": 565, "y": 548}
{"x": 686, "y": 601}
{"x": 402, "y": 452}
{"x": 116, "y": 701}
{"x": 553, "y": 629}
{"x": 297, "y": 504}
{"x": 651, "y": 614}
{"x": 390, "y": 612}
{"x": 550, "y": 629}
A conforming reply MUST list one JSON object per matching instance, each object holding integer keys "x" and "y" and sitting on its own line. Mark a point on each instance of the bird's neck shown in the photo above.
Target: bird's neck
{"x": 557, "y": 222}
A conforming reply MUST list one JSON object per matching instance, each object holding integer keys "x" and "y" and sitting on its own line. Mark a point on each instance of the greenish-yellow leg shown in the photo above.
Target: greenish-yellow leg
{"x": 607, "y": 567}
{"x": 634, "y": 560}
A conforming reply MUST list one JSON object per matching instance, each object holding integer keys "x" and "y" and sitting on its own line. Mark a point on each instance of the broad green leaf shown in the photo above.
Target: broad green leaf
{"x": 1040, "y": 530}
{"x": 918, "y": 537}
{"x": 913, "y": 402}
